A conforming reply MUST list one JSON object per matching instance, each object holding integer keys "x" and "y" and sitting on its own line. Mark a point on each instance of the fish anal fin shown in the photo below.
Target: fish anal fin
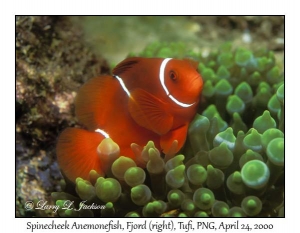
{"x": 178, "y": 134}
{"x": 125, "y": 65}
{"x": 149, "y": 112}
{"x": 77, "y": 153}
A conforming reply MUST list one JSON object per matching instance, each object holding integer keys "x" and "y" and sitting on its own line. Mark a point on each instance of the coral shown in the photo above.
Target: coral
{"x": 232, "y": 164}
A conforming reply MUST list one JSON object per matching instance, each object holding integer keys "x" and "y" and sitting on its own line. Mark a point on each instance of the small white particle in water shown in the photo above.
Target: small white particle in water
{"x": 279, "y": 40}
{"x": 205, "y": 53}
{"x": 247, "y": 37}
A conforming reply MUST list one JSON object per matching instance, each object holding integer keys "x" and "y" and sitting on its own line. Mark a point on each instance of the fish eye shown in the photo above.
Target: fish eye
{"x": 173, "y": 75}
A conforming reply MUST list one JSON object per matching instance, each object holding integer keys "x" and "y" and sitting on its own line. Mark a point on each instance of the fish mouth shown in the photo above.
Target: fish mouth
{"x": 194, "y": 89}
{"x": 190, "y": 93}
{"x": 196, "y": 79}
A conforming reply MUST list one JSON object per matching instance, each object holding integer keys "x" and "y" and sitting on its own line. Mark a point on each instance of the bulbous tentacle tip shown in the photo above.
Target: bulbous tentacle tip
{"x": 220, "y": 209}
{"x": 224, "y": 88}
{"x": 203, "y": 198}
{"x": 253, "y": 140}
{"x": 172, "y": 151}
{"x": 244, "y": 92}
{"x": 108, "y": 189}
{"x": 175, "y": 177}
{"x": 235, "y": 105}
{"x": 141, "y": 195}
{"x": 84, "y": 189}
{"x": 138, "y": 158}
{"x": 221, "y": 156}
{"x": 155, "y": 164}
{"x": 108, "y": 151}
{"x": 120, "y": 166}
{"x": 196, "y": 174}
{"x": 237, "y": 212}
{"x": 208, "y": 89}
{"x": 275, "y": 151}
{"x": 255, "y": 174}
{"x": 134, "y": 176}
{"x": 251, "y": 205}
{"x": 264, "y": 122}
{"x": 280, "y": 93}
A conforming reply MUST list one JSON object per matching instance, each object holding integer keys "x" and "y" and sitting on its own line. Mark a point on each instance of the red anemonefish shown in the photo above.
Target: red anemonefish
{"x": 145, "y": 99}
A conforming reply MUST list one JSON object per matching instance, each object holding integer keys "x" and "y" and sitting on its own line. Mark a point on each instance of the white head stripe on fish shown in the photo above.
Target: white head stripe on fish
{"x": 162, "y": 82}
{"x": 101, "y": 131}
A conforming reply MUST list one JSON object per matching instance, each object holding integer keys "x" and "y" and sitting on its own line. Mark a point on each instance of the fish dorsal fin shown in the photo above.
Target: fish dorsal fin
{"x": 150, "y": 112}
{"x": 94, "y": 101}
{"x": 128, "y": 63}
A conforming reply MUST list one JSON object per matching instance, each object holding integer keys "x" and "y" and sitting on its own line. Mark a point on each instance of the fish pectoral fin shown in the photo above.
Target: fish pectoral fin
{"x": 149, "y": 112}
{"x": 76, "y": 152}
{"x": 178, "y": 134}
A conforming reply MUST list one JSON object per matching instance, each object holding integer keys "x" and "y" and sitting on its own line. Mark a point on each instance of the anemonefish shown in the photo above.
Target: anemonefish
{"x": 145, "y": 99}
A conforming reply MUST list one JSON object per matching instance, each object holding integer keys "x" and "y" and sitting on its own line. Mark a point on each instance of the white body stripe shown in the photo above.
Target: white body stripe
{"x": 122, "y": 84}
{"x": 102, "y": 132}
{"x": 162, "y": 82}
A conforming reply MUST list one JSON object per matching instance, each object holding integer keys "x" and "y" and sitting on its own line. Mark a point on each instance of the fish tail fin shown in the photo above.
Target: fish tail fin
{"x": 77, "y": 153}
